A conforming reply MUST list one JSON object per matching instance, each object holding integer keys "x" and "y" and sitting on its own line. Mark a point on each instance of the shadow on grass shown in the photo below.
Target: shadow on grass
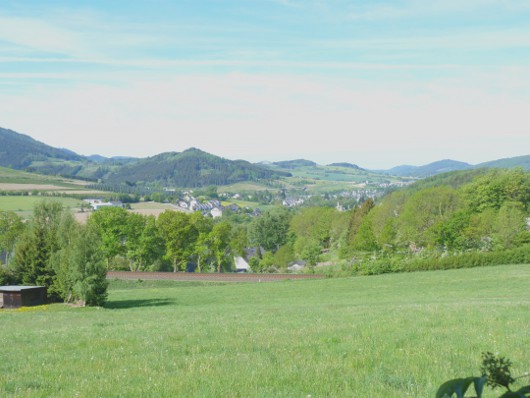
{"x": 122, "y": 304}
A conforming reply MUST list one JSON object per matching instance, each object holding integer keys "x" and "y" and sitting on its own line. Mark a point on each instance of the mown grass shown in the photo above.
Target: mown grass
{"x": 395, "y": 335}
{"x": 24, "y": 205}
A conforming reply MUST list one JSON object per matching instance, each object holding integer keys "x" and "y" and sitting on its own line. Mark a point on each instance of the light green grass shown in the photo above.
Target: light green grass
{"x": 383, "y": 336}
{"x": 243, "y": 187}
{"x": 151, "y": 206}
{"x": 10, "y": 176}
{"x": 23, "y": 205}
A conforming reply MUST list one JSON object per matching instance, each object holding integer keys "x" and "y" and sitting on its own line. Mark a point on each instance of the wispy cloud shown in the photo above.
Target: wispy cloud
{"x": 34, "y": 35}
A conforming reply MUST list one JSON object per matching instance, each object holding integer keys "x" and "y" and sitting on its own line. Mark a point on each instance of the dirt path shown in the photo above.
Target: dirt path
{"x": 224, "y": 277}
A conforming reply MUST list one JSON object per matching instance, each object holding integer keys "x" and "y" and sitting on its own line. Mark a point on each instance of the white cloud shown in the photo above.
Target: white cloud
{"x": 277, "y": 117}
{"x": 38, "y": 35}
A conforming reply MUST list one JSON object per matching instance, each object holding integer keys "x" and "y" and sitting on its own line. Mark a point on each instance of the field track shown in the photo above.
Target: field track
{"x": 223, "y": 277}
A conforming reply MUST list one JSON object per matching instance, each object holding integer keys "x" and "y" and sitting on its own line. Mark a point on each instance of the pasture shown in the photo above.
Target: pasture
{"x": 398, "y": 335}
{"x": 23, "y": 205}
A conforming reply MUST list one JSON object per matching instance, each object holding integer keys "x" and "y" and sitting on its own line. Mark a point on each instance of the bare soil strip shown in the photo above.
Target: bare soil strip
{"x": 190, "y": 276}
{"x": 29, "y": 187}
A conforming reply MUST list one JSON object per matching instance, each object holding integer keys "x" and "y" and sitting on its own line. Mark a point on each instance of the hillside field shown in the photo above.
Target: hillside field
{"x": 398, "y": 335}
{"x": 24, "y": 205}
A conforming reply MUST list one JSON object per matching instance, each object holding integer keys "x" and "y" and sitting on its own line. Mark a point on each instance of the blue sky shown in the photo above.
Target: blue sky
{"x": 378, "y": 83}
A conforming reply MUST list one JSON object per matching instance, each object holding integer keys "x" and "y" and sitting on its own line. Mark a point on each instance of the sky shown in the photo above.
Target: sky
{"x": 376, "y": 83}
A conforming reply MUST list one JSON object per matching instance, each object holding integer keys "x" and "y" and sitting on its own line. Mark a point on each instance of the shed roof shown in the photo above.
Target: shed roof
{"x": 18, "y": 288}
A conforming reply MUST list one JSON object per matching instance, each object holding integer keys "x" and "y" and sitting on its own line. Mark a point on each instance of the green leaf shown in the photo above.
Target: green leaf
{"x": 479, "y": 384}
{"x": 520, "y": 393}
{"x": 455, "y": 386}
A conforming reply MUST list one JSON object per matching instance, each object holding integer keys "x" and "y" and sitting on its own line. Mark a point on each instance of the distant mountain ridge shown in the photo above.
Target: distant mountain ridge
{"x": 291, "y": 164}
{"x": 190, "y": 168}
{"x": 518, "y": 161}
{"x": 438, "y": 167}
{"x": 347, "y": 165}
{"x": 19, "y": 151}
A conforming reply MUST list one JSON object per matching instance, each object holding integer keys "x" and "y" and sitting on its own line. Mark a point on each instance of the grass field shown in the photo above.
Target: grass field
{"x": 395, "y": 335}
{"x": 23, "y": 205}
{"x": 10, "y": 176}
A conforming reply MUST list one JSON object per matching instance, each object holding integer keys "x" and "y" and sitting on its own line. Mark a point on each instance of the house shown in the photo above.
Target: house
{"x": 216, "y": 212}
{"x": 241, "y": 265}
{"x": 98, "y": 203}
{"x": 293, "y": 202}
{"x": 296, "y": 266}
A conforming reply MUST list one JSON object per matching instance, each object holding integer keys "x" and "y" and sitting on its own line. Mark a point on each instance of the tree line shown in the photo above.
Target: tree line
{"x": 462, "y": 217}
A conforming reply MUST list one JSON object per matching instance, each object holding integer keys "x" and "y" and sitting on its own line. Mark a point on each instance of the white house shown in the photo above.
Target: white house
{"x": 98, "y": 203}
{"x": 241, "y": 265}
{"x": 216, "y": 212}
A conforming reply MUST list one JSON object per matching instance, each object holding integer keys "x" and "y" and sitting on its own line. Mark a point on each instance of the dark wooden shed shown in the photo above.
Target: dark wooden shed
{"x": 23, "y": 296}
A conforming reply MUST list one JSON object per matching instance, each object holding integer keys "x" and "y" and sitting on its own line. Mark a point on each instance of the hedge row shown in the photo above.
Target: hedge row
{"x": 427, "y": 262}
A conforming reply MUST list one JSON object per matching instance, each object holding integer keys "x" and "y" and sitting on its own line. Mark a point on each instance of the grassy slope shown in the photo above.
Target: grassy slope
{"x": 11, "y": 176}
{"x": 391, "y": 335}
{"x": 24, "y": 205}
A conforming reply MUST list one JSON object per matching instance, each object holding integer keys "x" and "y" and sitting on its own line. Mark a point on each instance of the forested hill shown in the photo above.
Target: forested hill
{"x": 19, "y": 151}
{"x": 441, "y": 166}
{"x": 291, "y": 164}
{"x": 508, "y": 163}
{"x": 191, "y": 168}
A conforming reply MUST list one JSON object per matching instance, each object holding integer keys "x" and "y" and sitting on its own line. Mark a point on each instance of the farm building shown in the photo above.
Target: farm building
{"x": 22, "y": 296}
{"x": 241, "y": 265}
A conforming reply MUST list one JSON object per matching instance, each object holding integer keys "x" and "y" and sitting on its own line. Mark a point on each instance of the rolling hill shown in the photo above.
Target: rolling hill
{"x": 19, "y": 151}
{"x": 191, "y": 168}
{"x": 195, "y": 168}
{"x": 441, "y": 166}
{"x": 507, "y": 163}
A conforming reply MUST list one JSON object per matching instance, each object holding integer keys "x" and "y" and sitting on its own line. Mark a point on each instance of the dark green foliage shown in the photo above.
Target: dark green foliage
{"x": 53, "y": 251}
{"x": 11, "y": 226}
{"x": 495, "y": 373}
{"x": 497, "y": 370}
{"x": 88, "y": 271}
{"x": 347, "y": 165}
{"x": 8, "y": 276}
{"x": 111, "y": 225}
{"x": 270, "y": 230}
{"x": 37, "y": 245}
{"x": 291, "y": 164}
{"x": 180, "y": 235}
{"x": 459, "y": 387}
{"x": 192, "y": 168}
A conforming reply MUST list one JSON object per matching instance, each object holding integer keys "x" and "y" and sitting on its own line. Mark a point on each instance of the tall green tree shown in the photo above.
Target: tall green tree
{"x": 150, "y": 245}
{"x": 510, "y": 225}
{"x": 60, "y": 260}
{"x": 220, "y": 243}
{"x": 270, "y": 230}
{"x": 134, "y": 229}
{"x": 179, "y": 235}
{"x": 88, "y": 269}
{"x": 37, "y": 244}
{"x": 111, "y": 225}
{"x": 11, "y": 227}
{"x": 202, "y": 248}
{"x": 422, "y": 211}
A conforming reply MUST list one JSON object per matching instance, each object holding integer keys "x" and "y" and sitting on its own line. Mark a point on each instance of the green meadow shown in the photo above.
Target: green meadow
{"x": 24, "y": 205}
{"x": 398, "y": 335}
